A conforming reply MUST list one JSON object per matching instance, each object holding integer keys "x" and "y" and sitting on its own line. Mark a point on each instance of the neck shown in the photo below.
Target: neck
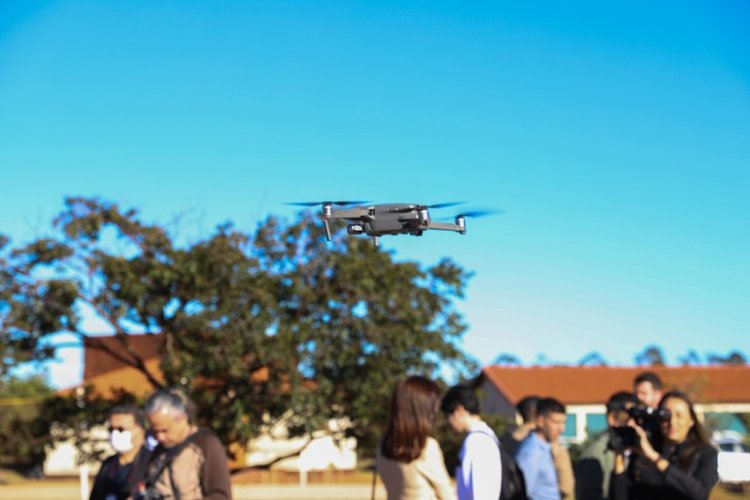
{"x": 190, "y": 430}
{"x": 471, "y": 420}
{"x": 541, "y": 435}
{"x": 127, "y": 457}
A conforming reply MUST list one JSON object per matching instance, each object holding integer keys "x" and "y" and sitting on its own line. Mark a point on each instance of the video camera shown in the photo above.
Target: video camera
{"x": 622, "y": 438}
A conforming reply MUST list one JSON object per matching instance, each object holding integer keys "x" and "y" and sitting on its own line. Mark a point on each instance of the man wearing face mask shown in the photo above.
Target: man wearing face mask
{"x": 119, "y": 474}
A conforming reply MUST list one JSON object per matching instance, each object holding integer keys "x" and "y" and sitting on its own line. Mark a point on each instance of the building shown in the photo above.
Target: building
{"x": 719, "y": 392}
{"x": 108, "y": 369}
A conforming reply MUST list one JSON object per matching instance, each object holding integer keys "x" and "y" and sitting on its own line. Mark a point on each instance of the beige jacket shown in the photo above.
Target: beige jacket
{"x": 425, "y": 478}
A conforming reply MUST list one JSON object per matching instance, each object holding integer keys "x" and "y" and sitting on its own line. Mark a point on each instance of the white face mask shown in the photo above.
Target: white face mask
{"x": 121, "y": 441}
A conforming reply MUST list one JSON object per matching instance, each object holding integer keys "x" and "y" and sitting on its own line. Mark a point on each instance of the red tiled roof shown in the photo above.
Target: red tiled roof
{"x": 108, "y": 374}
{"x": 594, "y": 384}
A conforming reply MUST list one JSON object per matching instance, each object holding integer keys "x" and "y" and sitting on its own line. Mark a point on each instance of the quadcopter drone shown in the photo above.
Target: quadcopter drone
{"x": 390, "y": 218}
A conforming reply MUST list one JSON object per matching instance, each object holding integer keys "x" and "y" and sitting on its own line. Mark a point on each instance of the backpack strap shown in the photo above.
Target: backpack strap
{"x": 491, "y": 436}
{"x": 171, "y": 455}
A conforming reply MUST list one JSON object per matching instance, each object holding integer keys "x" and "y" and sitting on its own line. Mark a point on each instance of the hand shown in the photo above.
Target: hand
{"x": 644, "y": 445}
{"x": 619, "y": 463}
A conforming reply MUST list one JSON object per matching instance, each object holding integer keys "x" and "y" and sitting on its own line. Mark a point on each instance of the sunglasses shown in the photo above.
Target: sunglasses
{"x": 118, "y": 429}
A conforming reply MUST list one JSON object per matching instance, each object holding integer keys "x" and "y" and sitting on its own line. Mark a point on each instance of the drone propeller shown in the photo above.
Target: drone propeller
{"x": 473, "y": 214}
{"x": 411, "y": 208}
{"x": 446, "y": 205}
{"x": 315, "y": 203}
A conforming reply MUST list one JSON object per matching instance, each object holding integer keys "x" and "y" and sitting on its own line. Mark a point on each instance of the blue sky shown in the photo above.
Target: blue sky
{"x": 615, "y": 136}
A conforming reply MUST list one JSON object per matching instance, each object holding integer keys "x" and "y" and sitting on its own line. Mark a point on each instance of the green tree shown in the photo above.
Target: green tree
{"x": 690, "y": 358}
{"x": 593, "y": 358}
{"x": 508, "y": 359}
{"x": 733, "y": 358}
{"x": 258, "y": 327}
{"x": 22, "y": 433}
{"x": 652, "y": 355}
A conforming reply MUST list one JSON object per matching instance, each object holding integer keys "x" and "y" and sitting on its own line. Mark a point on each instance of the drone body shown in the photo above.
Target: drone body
{"x": 389, "y": 218}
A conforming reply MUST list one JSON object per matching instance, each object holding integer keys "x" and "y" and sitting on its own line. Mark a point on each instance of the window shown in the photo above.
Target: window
{"x": 570, "y": 426}
{"x": 595, "y": 423}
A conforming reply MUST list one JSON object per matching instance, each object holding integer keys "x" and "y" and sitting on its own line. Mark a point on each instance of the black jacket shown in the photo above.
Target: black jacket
{"x": 642, "y": 480}
{"x": 117, "y": 480}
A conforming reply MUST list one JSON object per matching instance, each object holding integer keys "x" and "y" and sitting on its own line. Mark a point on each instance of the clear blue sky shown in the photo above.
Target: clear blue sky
{"x": 614, "y": 135}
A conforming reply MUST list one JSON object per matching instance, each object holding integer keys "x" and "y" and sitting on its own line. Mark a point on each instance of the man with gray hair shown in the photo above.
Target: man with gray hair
{"x": 189, "y": 463}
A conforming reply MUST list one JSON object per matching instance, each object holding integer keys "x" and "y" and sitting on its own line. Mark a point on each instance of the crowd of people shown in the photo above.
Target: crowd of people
{"x": 654, "y": 447}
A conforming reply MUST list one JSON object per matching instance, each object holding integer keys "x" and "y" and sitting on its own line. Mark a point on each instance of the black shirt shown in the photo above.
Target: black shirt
{"x": 643, "y": 480}
{"x": 115, "y": 481}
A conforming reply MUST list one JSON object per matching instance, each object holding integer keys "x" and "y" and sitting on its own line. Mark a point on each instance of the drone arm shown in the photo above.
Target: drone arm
{"x": 444, "y": 226}
{"x": 351, "y": 213}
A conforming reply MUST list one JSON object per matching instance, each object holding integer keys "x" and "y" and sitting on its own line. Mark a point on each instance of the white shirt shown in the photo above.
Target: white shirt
{"x": 479, "y": 473}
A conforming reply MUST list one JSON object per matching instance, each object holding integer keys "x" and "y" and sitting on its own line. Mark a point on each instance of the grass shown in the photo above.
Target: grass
{"x": 724, "y": 493}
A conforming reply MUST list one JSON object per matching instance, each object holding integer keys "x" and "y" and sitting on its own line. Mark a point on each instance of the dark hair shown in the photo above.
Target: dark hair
{"x": 134, "y": 411}
{"x": 619, "y": 401}
{"x": 696, "y": 436}
{"x": 173, "y": 400}
{"x": 462, "y": 395}
{"x": 527, "y": 408}
{"x": 413, "y": 408}
{"x": 650, "y": 377}
{"x": 549, "y": 405}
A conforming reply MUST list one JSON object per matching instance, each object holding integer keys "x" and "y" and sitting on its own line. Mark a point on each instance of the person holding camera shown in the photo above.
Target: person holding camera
{"x": 189, "y": 463}
{"x": 677, "y": 463}
{"x": 597, "y": 459}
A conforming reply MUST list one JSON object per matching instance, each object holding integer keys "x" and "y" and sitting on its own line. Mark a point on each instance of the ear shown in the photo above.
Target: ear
{"x": 539, "y": 420}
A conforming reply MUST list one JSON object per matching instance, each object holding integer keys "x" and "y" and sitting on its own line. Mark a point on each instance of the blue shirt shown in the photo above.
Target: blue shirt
{"x": 534, "y": 457}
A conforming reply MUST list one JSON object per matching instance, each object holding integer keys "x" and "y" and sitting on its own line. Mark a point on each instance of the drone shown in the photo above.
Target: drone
{"x": 376, "y": 220}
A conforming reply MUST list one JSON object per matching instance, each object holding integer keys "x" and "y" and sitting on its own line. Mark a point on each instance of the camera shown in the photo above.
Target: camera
{"x": 622, "y": 438}
{"x": 149, "y": 493}
{"x": 645, "y": 416}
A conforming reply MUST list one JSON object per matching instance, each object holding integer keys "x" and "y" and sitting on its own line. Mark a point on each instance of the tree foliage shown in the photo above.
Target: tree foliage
{"x": 652, "y": 355}
{"x": 734, "y": 358}
{"x": 593, "y": 358}
{"x": 23, "y": 434}
{"x": 258, "y": 326}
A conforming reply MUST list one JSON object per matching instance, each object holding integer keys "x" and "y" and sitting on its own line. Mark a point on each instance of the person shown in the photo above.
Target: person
{"x": 409, "y": 460}
{"x": 119, "y": 473}
{"x": 512, "y": 438}
{"x": 597, "y": 459}
{"x": 189, "y": 463}
{"x": 479, "y": 473}
{"x": 648, "y": 387}
{"x": 680, "y": 464}
{"x": 535, "y": 457}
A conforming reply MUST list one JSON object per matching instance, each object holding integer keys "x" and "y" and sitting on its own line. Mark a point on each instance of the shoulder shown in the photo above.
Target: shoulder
{"x": 432, "y": 447}
{"x": 532, "y": 444}
{"x": 108, "y": 462}
{"x": 596, "y": 446}
{"x": 205, "y": 443}
{"x": 707, "y": 450}
{"x": 206, "y": 438}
